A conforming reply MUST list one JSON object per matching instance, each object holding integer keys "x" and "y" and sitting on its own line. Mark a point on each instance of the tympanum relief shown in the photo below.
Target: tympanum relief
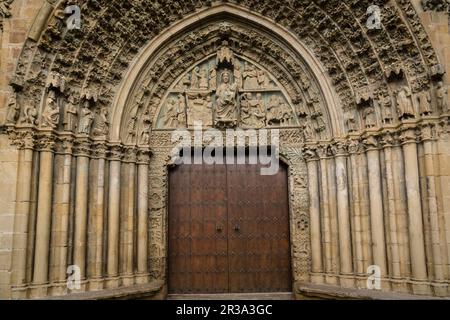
{"x": 226, "y": 91}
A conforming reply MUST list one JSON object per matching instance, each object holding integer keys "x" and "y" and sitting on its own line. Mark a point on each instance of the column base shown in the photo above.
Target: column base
{"x": 441, "y": 289}
{"x": 127, "y": 280}
{"x": 142, "y": 278}
{"x": 400, "y": 285}
{"x": 331, "y": 279}
{"x": 347, "y": 281}
{"x": 38, "y": 290}
{"x": 421, "y": 287}
{"x": 19, "y": 293}
{"x": 317, "y": 278}
{"x": 112, "y": 283}
{"x": 96, "y": 284}
{"x": 58, "y": 289}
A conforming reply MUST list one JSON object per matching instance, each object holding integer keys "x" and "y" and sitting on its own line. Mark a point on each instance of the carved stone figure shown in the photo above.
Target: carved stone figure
{"x": 199, "y": 109}
{"x": 225, "y": 54}
{"x": 29, "y": 115}
{"x": 131, "y": 129}
{"x": 369, "y": 117}
{"x": 50, "y": 116}
{"x": 13, "y": 109}
{"x": 195, "y": 78}
{"x": 351, "y": 122}
{"x": 144, "y": 139}
{"x": 181, "y": 110}
{"x": 70, "y": 115}
{"x": 171, "y": 115}
{"x": 404, "y": 104}
{"x": 386, "y": 105}
{"x": 185, "y": 82}
{"x": 238, "y": 76}
{"x": 263, "y": 81}
{"x": 253, "y": 111}
{"x": 274, "y": 115}
{"x": 424, "y": 99}
{"x": 86, "y": 119}
{"x": 213, "y": 79}
{"x": 203, "y": 82}
{"x": 226, "y": 106}
{"x": 101, "y": 127}
{"x": 442, "y": 98}
{"x": 250, "y": 77}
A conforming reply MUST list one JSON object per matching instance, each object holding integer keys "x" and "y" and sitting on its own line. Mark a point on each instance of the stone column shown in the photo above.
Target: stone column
{"x": 387, "y": 143}
{"x": 25, "y": 140}
{"x": 355, "y": 149}
{"x": 345, "y": 242}
{"x": 428, "y": 140}
{"x": 60, "y": 216}
{"x": 143, "y": 212}
{"x": 96, "y": 219}
{"x": 376, "y": 205}
{"x": 314, "y": 212}
{"x": 416, "y": 236}
{"x": 127, "y": 221}
{"x": 82, "y": 153}
{"x": 326, "y": 236}
{"x": 44, "y": 211}
{"x": 114, "y": 217}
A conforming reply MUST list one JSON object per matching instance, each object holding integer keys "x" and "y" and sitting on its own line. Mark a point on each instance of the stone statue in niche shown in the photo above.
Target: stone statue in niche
{"x": 404, "y": 104}
{"x": 199, "y": 109}
{"x": 50, "y": 116}
{"x": 70, "y": 114}
{"x": 385, "y": 103}
{"x": 442, "y": 98}
{"x": 101, "y": 127}
{"x": 351, "y": 122}
{"x": 29, "y": 115}
{"x": 144, "y": 139}
{"x": 225, "y": 54}
{"x": 203, "y": 82}
{"x": 369, "y": 117}
{"x": 226, "y": 105}
{"x": 86, "y": 119}
{"x": 250, "y": 77}
{"x": 213, "y": 79}
{"x": 13, "y": 109}
{"x": 424, "y": 99}
{"x": 195, "y": 78}
{"x": 253, "y": 111}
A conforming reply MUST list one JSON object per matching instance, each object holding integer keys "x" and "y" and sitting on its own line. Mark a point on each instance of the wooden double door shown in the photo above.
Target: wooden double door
{"x": 228, "y": 230}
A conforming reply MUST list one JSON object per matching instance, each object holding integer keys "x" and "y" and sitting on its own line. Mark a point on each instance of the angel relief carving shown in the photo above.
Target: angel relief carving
{"x": 226, "y": 91}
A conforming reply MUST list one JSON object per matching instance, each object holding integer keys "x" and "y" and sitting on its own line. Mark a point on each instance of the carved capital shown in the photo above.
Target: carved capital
{"x": 408, "y": 136}
{"x": 65, "y": 145}
{"x": 22, "y": 139}
{"x": 46, "y": 143}
{"x": 355, "y": 146}
{"x": 99, "y": 150}
{"x": 309, "y": 153}
{"x": 82, "y": 147}
{"x": 428, "y": 132}
{"x": 115, "y": 152}
{"x": 371, "y": 143}
{"x": 130, "y": 155}
{"x": 339, "y": 149}
{"x": 143, "y": 156}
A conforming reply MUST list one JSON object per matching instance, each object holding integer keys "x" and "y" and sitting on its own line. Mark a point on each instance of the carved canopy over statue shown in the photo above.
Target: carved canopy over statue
{"x": 226, "y": 91}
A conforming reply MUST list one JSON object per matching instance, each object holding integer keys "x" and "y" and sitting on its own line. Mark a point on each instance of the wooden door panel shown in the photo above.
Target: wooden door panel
{"x": 228, "y": 230}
